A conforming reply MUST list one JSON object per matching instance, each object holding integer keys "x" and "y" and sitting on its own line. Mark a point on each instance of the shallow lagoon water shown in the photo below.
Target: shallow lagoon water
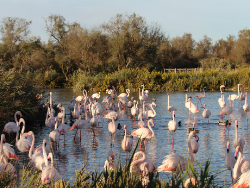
{"x": 92, "y": 150}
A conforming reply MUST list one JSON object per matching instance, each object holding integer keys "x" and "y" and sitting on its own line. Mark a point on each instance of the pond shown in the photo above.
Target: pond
{"x": 92, "y": 150}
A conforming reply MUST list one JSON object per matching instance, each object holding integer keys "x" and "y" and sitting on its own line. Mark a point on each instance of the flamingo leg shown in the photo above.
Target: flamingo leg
{"x": 145, "y": 145}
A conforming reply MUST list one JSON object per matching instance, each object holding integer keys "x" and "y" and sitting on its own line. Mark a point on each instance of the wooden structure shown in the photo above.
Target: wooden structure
{"x": 185, "y": 69}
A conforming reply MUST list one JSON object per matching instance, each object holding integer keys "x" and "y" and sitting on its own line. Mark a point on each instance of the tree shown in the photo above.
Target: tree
{"x": 243, "y": 46}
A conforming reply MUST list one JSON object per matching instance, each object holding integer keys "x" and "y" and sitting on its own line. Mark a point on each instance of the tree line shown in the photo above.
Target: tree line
{"x": 124, "y": 42}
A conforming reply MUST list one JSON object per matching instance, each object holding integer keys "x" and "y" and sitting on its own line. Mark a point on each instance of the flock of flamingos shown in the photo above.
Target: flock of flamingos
{"x": 86, "y": 110}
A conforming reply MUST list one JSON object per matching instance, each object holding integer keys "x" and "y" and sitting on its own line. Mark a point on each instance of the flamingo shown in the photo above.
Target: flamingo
{"x": 246, "y": 107}
{"x": 61, "y": 113}
{"x": 112, "y": 127}
{"x": 49, "y": 172}
{"x": 172, "y": 126}
{"x": 125, "y": 94}
{"x": 227, "y": 110}
{"x": 130, "y": 103}
{"x": 21, "y": 120}
{"x": 63, "y": 128}
{"x": 138, "y": 165}
{"x": 236, "y": 97}
{"x": 141, "y": 123}
{"x": 76, "y": 113}
{"x": 242, "y": 164}
{"x": 142, "y": 97}
{"x": 171, "y": 109}
{"x": 150, "y": 113}
{"x": 243, "y": 181}
{"x": 193, "y": 109}
{"x": 145, "y": 132}
{"x": 5, "y": 167}
{"x": 12, "y": 127}
{"x": 96, "y": 95}
{"x": 230, "y": 160}
{"x": 39, "y": 148}
{"x": 194, "y": 143}
{"x": 72, "y": 104}
{"x": 55, "y": 135}
{"x": 127, "y": 143}
{"x": 93, "y": 121}
{"x": 238, "y": 141}
{"x": 36, "y": 159}
{"x": 50, "y": 121}
{"x": 175, "y": 162}
{"x": 80, "y": 124}
{"x": 111, "y": 163}
{"x": 8, "y": 151}
{"x": 221, "y": 101}
{"x": 206, "y": 113}
{"x": 201, "y": 95}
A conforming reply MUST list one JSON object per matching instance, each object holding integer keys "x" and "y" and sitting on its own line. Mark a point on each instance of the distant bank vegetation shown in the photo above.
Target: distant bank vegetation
{"x": 125, "y": 52}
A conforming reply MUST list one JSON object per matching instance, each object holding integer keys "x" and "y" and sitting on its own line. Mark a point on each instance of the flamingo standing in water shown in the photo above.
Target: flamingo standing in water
{"x": 171, "y": 109}
{"x": 246, "y": 107}
{"x": 127, "y": 143}
{"x": 8, "y": 151}
{"x": 63, "y": 128}
{"x": 242, "y": 164}
{"x": 194, "y": 143}
{"x": 55, "y": 135}
{"x": 206, "y": 113}
{"x": 243, "y": 181}
{"x": 238, "y": 141}
{"x": 112, "y": 127}
{"x": 172, "y": 126}
{"x": 221, "y": 100}
{"x": 49, "y": 172}
{"x": 12, "y": 127}
{"x": 201, "y": 95}
{"x": 175, "y": 162}
{"x": 21, "y": 120}
{"x": 236, "y": 97}
{"x": 111, "y": 163}
{"x": 193, "y": 109}
{"x": 80, "y": 124}
{"x": 5, "y": 167}
{"x": 227, "y": 110}
{"x": 230, "y": 160}
{"x": 145, "y": 132}
{"x": 139, "y": 164}
{"x": 134, "y": 110}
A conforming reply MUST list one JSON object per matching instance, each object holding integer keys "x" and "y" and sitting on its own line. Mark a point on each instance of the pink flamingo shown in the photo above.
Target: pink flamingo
{"x": 5, "y": 167}
{"x": 125, "y": 94}
{"x": 21, "y": 120}
{"x": 12, "y": 127}
{"x": 206, "y": 113}
{"x": 93, "y": 121}
{"x": 80, "y": 124}
{"x": 76, "y": 112}
{"x": 238, "y": 141}
{"x": 111, "y": 163}
{"x": 8, "y": 151}
{"x": 221, "y": 101}
{"x": 144, "y": 132}
{"x": 112, "y": 127}
{"x": 96, "y": 95}
{"x": 193, "y": 109}
{"x": 138, "y": 165}
{"x": 194, "y": 143}
{"x": 63, "y": 128}
{"x": 227, "y": 110}
{"x": 50, "y": 121}
{"x": 130, "y": 103}
{"x": 54, "y": 135}
{"x": 49, "y": 172}
{"x": 127, "y": 143}
{"x": 171, "y": 109}
{"x": 201, "y": 95}
{"x": 243, "y": 181}
{"x": 172, "y": 126}
{"x": 230, "y": 160}
{"x": 242, "y": 164}
{"x": 175, "y": 162}
{"x": 246, "y": 107}
{"x": 236, "y": 97}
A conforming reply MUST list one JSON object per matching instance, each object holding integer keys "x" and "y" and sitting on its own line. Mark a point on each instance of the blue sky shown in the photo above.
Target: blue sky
{"x": 215, "y": 18}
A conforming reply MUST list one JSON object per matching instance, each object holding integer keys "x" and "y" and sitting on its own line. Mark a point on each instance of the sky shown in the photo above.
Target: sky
{"x": 217, "y": 19}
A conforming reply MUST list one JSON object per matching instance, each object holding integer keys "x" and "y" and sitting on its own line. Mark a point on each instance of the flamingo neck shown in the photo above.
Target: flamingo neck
{"x": 190, "y": 148}
{"x": 1, "y": 147}
{"x": 168, "y": 101}
{"x": 16, "y": 118}
{"x": 237, "y": 166}
{"x": 52, "y": 160}
{"x": 137, "y": 161}
{"x": 153, "y": 133}
{"x": 238, "y": 90}
{"x": 236, "y": 133}
{"x": 23, "y": 129}
{"x": 246, "y": 99}
{"x": 45, "y": 156}
{"x": 32, "y": 145}
{"x": 63, "y": 120}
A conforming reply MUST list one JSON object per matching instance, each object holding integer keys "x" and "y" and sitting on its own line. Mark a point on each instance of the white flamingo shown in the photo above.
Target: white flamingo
{"x": 93, "y": 121}
{"x": 236, "y": 97}
{"x": 80, "y": 124}
{"x": 230, "y": 159}
{"x": 171, "y": 109}
{"x": 130, "y": 103}
{"x": 12, "y": 127}
{"x": 243, "y": 181}
{"x": 111, "y": 163}
{"x": 8, "y": 151}
{"x": 127, "y": 143}
{"x": 242, "y": 164}
{"x": 246, "y": 107}
{"x": 227, "y": 110}
{"x": 21, "y": 120}
{"x": 238, "y": 141}
{"x": 201, "y": 95}
{"x": 49, "y": 172}
{"x": 112, "y": 127}
{"x": 206, "y": 113}
{"x": 172, "y": 126}
{"x": 96, "y": 95}
{"x": 50, "y": 121}
{"x": 125, "y": 94}
{"x": 55, "y": 135}
{"x": 194, "y": 143}
{"x": 145, "y": 132}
